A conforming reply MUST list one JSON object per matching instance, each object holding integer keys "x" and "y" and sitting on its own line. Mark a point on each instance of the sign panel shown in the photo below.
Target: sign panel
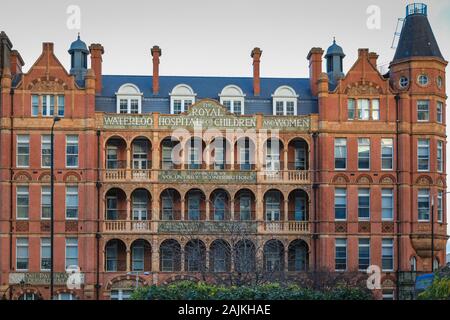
{"x": 191, "y": 176}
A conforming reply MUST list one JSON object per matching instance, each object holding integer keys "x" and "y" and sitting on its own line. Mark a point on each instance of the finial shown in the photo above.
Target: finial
{"x": 78, "y": 36}
{"x": 334, "y": 40}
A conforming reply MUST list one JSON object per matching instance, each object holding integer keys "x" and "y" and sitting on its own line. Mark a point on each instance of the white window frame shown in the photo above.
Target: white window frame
{"x": 427, "y": 112}
{"x": 48, "y": 246}
{"x": 23, "y": 245}
{"x": 129, "y": 92}
{"x": 22, "y": 192}
{"x": 68, "y": 140}
{"x": 364, "y": 245}
{"x": 389, "y": 246}
{"x": 440, "y": 112}
{"x": 428, "y": 196}
{"x": 387, "y": 143}
{"x": 339, "y": 142}
{"x": 440, "y": 206}
{"x": 419, "y": 145}
{"x": 34, "y": 106}
{"x": 45, "y": 139}
{"x": 360, "y": 145}
{"x": 391, "y": 195}
{"x": 22, "y": 139}
{"x": 45, "y": 191}
{"x": 233, "y": 93}
{"x": 184, "y": 93}
{"x": 336, "y": 245}
{"x": 366, "y": 192}
{"x": 70, "y": 192}
{"x": 285, "y": 94}
{"x": 340, "y": 195}
{"x": 71, "y": 243}
{"x": 67, "y": 294}
{"x": 440, "y": 156}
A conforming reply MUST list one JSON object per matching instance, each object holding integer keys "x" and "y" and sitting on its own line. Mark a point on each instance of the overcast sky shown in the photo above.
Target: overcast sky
{"x": 212, "y": 37}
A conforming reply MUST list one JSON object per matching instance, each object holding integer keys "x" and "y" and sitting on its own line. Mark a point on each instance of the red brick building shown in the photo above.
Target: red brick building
{"x": 166, "y": 178}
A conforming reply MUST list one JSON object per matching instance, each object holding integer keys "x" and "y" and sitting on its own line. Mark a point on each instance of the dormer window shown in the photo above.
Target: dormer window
{"x": 181, "y": 98}
{"x": 129, "y": 99}
{"x": 285, "y": 102}
{"x": 233, "y": 99}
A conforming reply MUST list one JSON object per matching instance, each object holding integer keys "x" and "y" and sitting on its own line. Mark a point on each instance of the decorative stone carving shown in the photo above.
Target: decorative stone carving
{"x": 340, "y": 227}
{"x": 364, "y": 227}
{"x": 362, "y": 90}
{"x": 340, "y": 179}
{"x": 364, "y": 180}
{"x": 424, "y": 181}
{"x": 47, "y": 86}
{"x": 387, "y": 227}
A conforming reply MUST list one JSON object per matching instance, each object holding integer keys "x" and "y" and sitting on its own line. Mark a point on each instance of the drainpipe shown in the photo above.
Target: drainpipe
{"x": 397, "y": 127}
{"x": 98, "y": 235}
{"x": 316, "y": 194}
{"x": 11, "y": 208}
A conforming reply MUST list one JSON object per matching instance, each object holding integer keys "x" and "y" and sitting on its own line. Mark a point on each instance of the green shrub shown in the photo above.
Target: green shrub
{"x": 187, "y": 290}
{"x": 439, "y": 290}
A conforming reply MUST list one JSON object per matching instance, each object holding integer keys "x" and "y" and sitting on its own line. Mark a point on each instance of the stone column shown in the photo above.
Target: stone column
{"x": 183, "y": 208}
{"x": 128, "y": 262}
{"x": 285, "y": 159}
{"x": 232, "y": 203}
{"x": 286, "y": 210}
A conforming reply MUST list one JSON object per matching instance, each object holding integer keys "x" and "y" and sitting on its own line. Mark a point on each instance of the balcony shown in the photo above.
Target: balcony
{"x": 286, "y": 176}
{"x": 286, "y": 227}
{"x": 124, "y": 226}
{"x": 233, "y": 228}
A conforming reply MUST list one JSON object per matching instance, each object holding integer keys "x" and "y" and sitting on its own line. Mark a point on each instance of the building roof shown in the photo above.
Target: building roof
{"x": 417, "y": 38}
{"x": 78, "y": 45}
{"x": 335, "y": 50}
{"x": 206, "y": 87}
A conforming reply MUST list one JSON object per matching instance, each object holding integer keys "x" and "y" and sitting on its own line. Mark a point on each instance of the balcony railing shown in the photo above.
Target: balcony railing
{"x": 289, "y": 176}
{"x": 294, "y": 227}
{"x": 207, "y": 227}
{"x": 127, "y": 226}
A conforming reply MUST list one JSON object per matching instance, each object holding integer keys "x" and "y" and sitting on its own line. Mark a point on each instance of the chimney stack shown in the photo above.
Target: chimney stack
{"x": 256, "y": 55}
{"x": 373, "y": 58}
{"x": 315, "y": 68}
{"x": 16, "y": 62}
{"x": 156, "y": 53}
{"x": 97, "y": 52}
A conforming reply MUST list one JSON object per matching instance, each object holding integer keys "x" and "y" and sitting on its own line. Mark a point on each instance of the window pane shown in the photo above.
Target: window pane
{"x": 340, "y": 153}
{"x": 364, "y": 204}
{"x": 351, "y": 109}
{"x": 363, "y": 154}
{"x": 423, "y": 113}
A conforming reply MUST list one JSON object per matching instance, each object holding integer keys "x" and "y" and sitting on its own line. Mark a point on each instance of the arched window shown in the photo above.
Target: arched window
{"x": 129, "y": 99}
{"x": 413, "y": 264}
{"x": 233, "y": 99}
{"x": 435, "y": 264}
{"x": 181, "y": 98}
{"x": 285, "y": 102}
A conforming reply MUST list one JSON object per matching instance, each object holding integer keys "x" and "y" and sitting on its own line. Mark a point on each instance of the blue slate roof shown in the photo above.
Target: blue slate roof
{"x": 205, "y": 87}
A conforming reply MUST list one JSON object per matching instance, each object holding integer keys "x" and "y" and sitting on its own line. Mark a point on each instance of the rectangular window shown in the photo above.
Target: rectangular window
{"x": 387, "y": 204}
{"x": 187, "y": 104}
{"x": 279, "y": 108}
{"x": 61, "y": 106}
{"x": 290, "y": 108}
{"x": 363, "y": 154}
{"x": 23, "y": 151}
{"x": 340, "y": 154}
{"x": 134, "y": 106}
{"x": 387, "y": 255}
{"x": 34, "y": 105}
{"x": 363, "y": 109}
{"x": 22, "y": 257}
{"x": 137, "y": 254}
{"x": 45, "y": 202}
{"x": 177, "y": 107}
{"x": 423, "y": 110}
{"x": 351, "y": 109}
{"x": 72, "y": 203}
{"x": 440, "y": 206}
{"x": 340, "y": 204}
{"x": 341, "y": 255}
{"x": 46, "y": 146}
{"x": 48, "y": 106}
{"x": 72, "y": 151}
{"x": 375, "y": 109}
{"x": 237, "y": 107}
{"x": 387, "y": 154}
{"x": 423, "y": 204}
{"x": 440, "y": 156}
{"x": 439, "y": 112}
{"x": 123, "y": 106}
{"x": 227, "y": 104}
{"x": 364, "y": 204}
{"x": 423, "y": 154}
{"x": 45, "y": 254}
{"x": 71, "y": 252}
{"x": 22, "y": 202}
{"x": 363, "y": 254}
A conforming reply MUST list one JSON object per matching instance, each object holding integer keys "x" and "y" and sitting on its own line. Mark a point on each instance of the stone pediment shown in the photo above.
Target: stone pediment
{"x": 359, "y": 89}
